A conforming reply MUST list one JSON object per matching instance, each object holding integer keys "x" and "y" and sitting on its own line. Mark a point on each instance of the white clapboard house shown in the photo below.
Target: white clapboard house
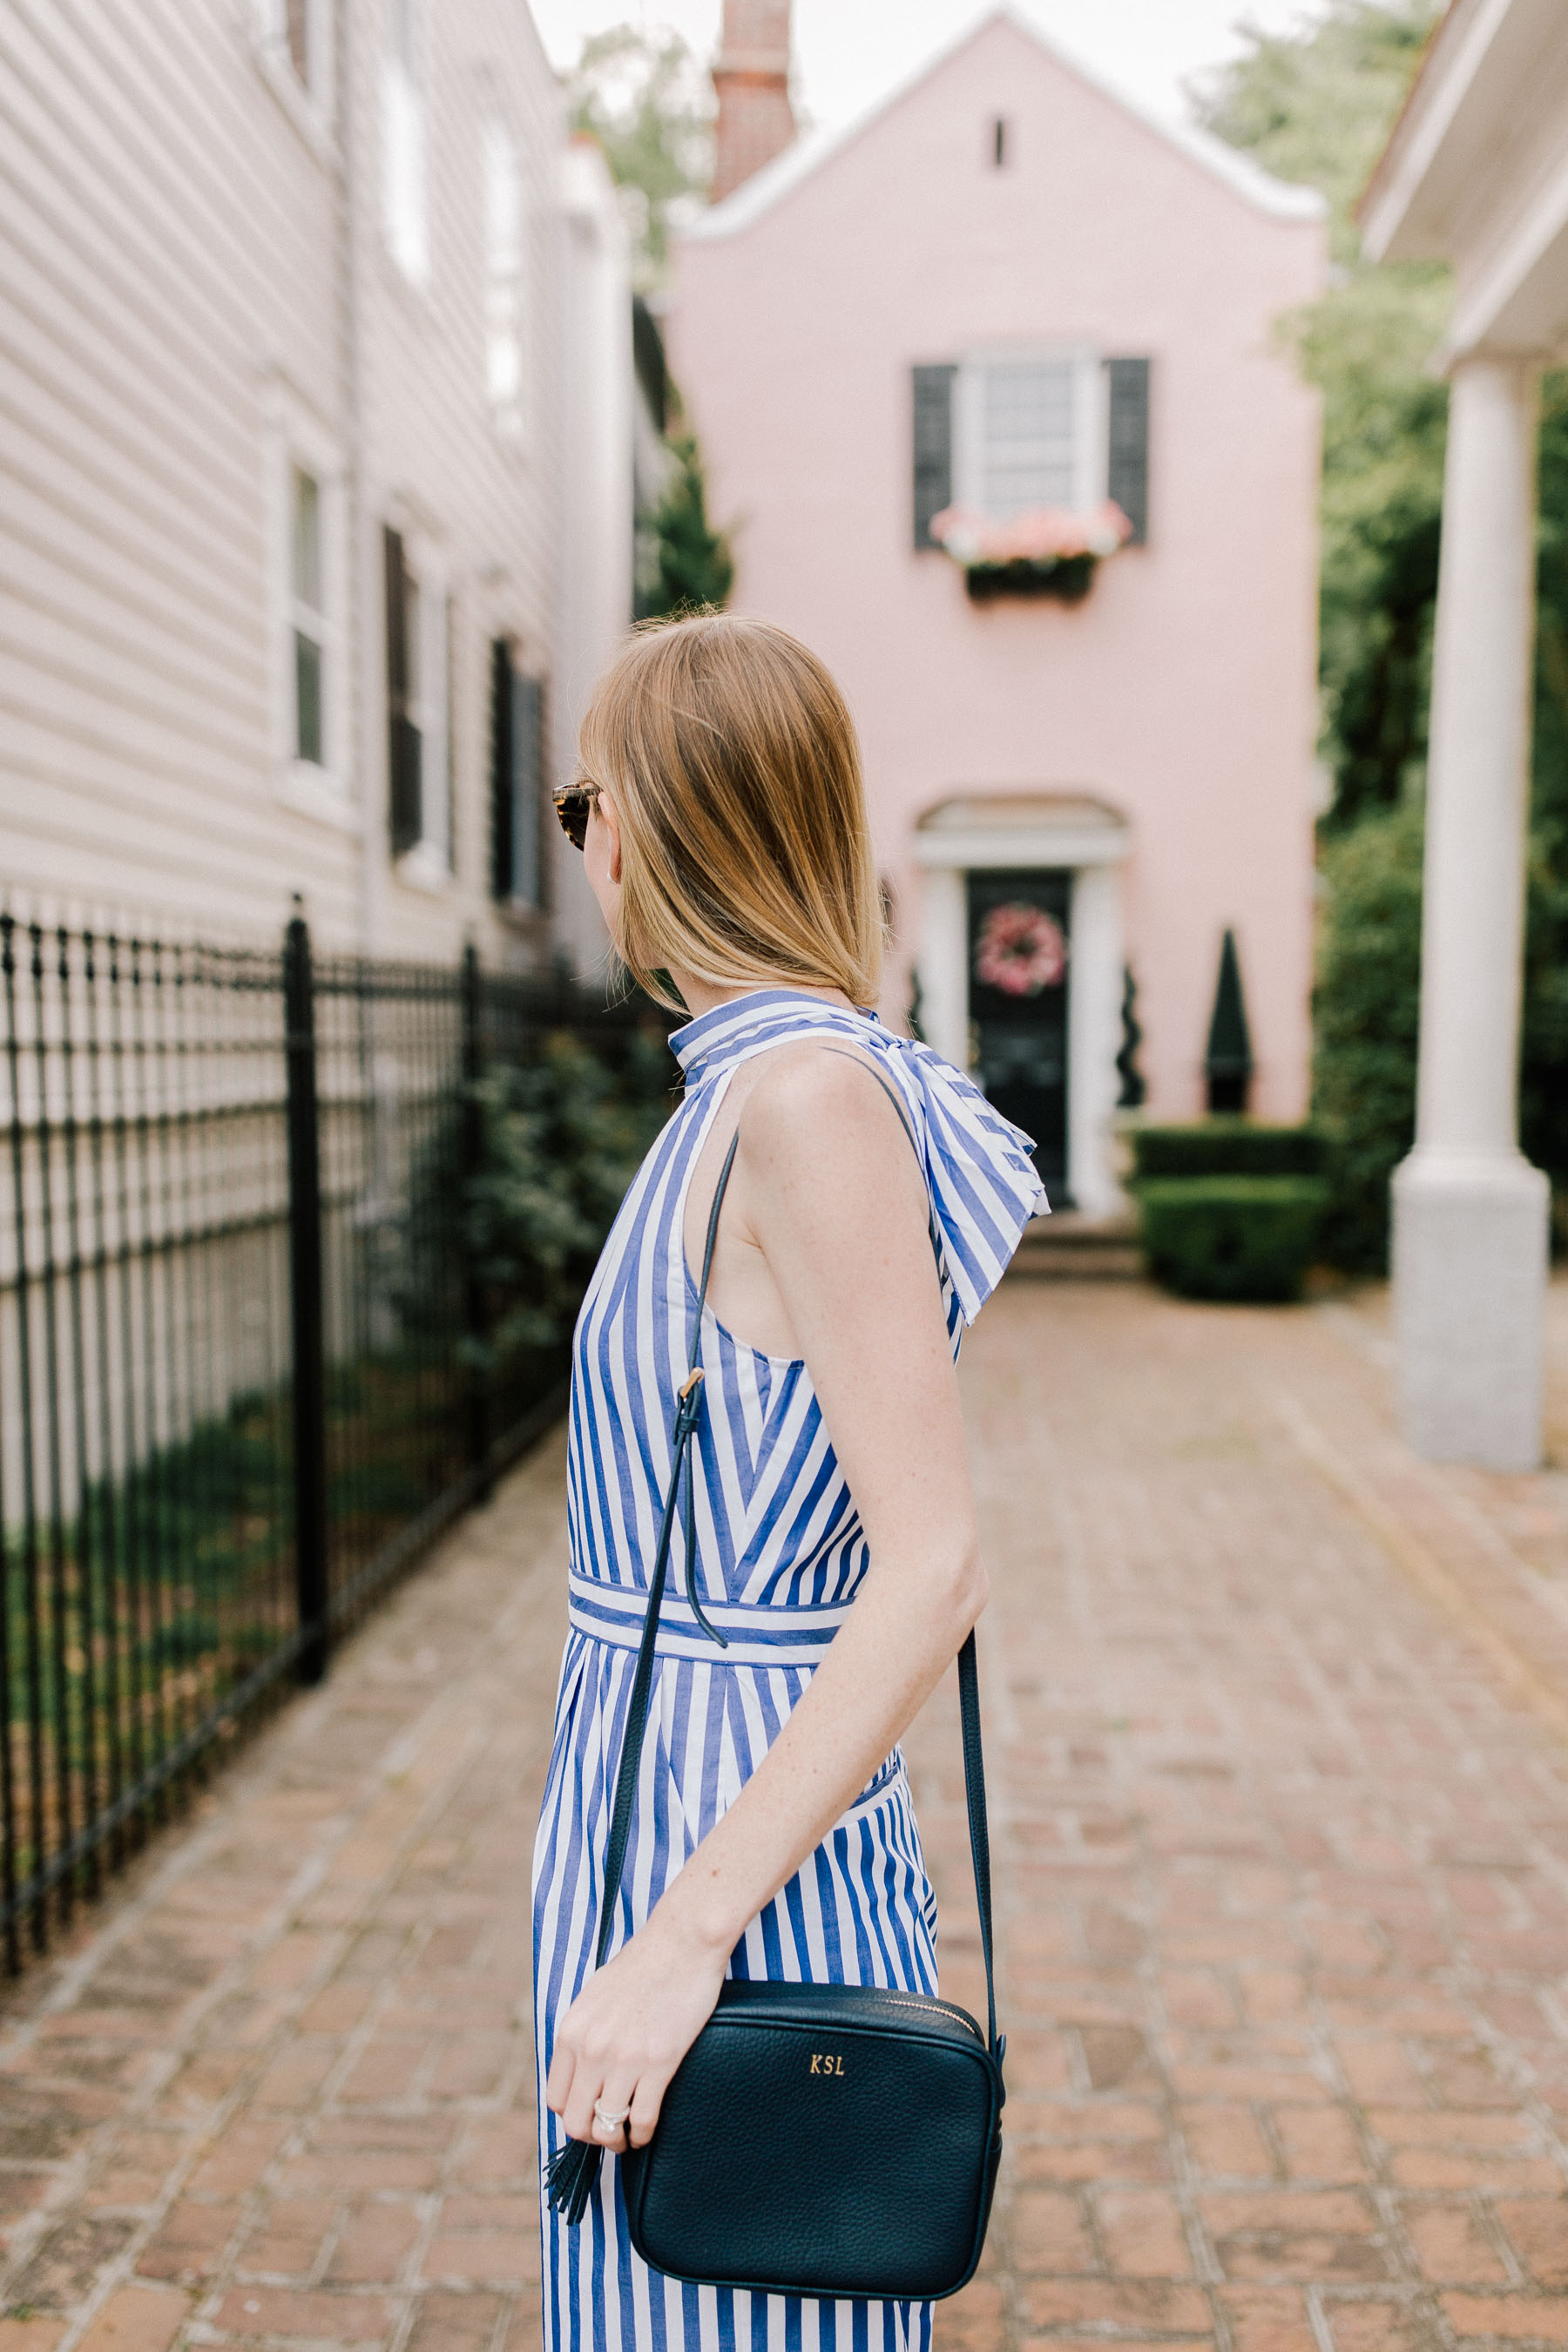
{"x": 315, "y": 343}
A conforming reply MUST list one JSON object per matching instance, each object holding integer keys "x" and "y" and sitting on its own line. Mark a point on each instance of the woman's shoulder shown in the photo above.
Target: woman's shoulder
{"x": 823, "y": 1088}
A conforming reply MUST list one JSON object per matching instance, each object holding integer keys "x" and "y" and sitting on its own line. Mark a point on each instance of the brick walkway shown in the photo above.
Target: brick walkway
{"x": 1280, "y": 1729}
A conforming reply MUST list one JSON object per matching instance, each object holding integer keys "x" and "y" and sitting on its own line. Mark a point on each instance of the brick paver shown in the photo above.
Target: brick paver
{"x": 1278, "y": 1723}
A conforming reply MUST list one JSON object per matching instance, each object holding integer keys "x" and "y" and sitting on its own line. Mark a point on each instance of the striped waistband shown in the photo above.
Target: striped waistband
{"x": 765, "y": 1634}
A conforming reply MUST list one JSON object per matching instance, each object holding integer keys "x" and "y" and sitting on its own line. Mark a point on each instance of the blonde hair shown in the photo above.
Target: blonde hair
{"x": 735, "y": 773}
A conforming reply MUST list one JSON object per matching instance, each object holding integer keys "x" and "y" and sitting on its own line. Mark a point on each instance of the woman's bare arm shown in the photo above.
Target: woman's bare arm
{"x": 826, "y": 1185}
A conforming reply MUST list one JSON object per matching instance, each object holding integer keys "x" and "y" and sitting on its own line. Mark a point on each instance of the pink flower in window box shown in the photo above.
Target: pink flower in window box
{"x": 1051, "y": 550}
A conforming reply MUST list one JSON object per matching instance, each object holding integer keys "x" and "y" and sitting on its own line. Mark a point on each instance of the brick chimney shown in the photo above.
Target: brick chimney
{"x": 756, "y": 121}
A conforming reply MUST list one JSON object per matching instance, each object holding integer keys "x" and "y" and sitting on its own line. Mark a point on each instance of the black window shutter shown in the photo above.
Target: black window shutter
{"x": 528, "y": 773}
{"x": 517, "y": 774}
{"x": 502, "y": 845}
{"x": 448, "y": 670}
{"x": 404, "y": 782}
{"x": 933, "y": 446}
{"x": 1128, "y": 474}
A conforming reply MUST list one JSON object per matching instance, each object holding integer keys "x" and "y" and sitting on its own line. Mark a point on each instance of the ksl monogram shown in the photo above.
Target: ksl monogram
{"x": 823, "y": 2061}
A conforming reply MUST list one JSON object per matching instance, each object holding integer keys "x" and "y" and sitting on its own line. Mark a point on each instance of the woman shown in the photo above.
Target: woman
{"x": 723, "y": 819}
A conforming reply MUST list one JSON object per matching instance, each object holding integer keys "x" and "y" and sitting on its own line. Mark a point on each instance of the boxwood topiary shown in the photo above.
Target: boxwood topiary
{"x": 1232, "y": 1237}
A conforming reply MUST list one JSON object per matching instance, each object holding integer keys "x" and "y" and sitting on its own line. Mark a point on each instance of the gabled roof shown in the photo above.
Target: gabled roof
{"x": 798, "y": 162}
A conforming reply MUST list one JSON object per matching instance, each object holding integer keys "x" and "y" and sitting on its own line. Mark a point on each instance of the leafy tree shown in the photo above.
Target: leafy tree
{"x": 646, "y": 101}
{"x": 1543, "y": 1075}
{"x": 696, "y": 569}
{"x": 1317, "y": 106}
{"x": 644, "y": 97}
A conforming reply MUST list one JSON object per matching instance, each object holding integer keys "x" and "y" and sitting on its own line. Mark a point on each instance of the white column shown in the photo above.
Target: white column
{"x": 1470, "y": 1215}
{"x": 944, "y": 963}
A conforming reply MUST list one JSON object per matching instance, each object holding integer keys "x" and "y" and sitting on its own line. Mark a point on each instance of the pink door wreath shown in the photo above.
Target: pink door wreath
{"x": 1021, "y": 950}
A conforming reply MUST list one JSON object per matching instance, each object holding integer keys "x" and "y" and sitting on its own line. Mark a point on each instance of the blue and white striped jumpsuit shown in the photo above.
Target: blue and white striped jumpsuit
{"x": 780, "y": 1554}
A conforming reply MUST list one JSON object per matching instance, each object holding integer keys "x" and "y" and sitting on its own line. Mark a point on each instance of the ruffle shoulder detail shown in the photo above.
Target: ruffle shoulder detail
{"x": 983, "y": 1181}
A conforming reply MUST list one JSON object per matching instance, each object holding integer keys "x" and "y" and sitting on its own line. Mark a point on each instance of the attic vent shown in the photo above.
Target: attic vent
{"x": 999, "y": 142}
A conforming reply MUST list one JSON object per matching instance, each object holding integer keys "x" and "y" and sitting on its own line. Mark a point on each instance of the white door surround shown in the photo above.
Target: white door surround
{"x": 1060, "y": 831}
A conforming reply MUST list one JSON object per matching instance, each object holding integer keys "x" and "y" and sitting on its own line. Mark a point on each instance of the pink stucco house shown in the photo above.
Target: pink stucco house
{"x": 1008, "y": 291}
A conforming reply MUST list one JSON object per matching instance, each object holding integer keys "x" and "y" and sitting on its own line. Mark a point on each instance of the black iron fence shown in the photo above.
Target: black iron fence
{"x": 244, "y": 1377}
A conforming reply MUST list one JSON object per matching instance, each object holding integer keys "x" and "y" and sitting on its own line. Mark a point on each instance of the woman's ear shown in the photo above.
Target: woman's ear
{"x": 612, "y": 823}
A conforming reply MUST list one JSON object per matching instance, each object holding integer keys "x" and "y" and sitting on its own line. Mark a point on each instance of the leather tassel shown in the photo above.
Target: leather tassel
{"x": 569, "y": 2179}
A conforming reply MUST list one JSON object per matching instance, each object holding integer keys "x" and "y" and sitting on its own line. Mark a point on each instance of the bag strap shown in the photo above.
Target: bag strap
{"x": 687, "y": 1406}
{"x": 688, "y": 1409}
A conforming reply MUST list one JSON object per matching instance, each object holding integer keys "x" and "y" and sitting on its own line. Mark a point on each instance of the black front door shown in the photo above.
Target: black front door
{"x": 1019, "y": 976}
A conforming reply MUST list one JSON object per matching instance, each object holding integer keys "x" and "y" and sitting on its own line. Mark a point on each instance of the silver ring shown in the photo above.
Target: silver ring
{"x": 609, "y": 2118}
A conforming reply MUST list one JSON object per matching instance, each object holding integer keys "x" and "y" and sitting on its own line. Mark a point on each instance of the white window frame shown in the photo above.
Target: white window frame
{"x": 309, "y": 104}
{"x": 405, "y": 140}
{"x": 428, "y": 864}
{"x": 295, "y": 439}
{"x": 507, "y": 286}
{"x": 1090, "y": 420}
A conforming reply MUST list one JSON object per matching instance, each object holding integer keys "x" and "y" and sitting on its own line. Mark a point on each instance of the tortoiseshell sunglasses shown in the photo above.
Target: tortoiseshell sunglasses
{"x": 573, "y": 805}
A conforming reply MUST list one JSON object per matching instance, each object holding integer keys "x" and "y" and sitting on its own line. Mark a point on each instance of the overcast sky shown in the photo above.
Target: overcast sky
{"x": 848, "y": 52}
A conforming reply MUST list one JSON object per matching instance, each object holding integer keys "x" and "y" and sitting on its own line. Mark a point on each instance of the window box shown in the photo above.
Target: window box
{"x": 1050, "y": 552}
{"x": 1068, "y": 578}
{"x": 1031, "y": 466}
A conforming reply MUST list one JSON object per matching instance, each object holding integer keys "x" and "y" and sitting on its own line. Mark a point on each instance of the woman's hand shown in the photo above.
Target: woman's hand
{"x": 630, "y": 2027}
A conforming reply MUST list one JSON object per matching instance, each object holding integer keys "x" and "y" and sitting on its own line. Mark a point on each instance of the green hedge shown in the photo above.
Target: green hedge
{"x": 1364, "y": 1024}
{"x": 1228, "y": 1147}
{"x": 1234, "y": 1237}
{"x": 562, "y": 1135}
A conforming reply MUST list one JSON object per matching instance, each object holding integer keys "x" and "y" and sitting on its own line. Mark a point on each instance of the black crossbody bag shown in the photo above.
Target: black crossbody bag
{"x": 816, "y": 2139}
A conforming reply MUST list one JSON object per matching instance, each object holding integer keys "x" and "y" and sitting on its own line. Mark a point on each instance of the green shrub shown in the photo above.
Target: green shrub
{"x": 1366, "y": 1016}
{"x": 1364, "y": 1024}
{"x": 1233, "y": 1237}
{"x": 1228, "y": 1147}
{"x": 562, "y": 1135}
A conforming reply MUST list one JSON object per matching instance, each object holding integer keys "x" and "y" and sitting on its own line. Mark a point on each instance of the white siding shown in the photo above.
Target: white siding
{"x": 179, "y": 257}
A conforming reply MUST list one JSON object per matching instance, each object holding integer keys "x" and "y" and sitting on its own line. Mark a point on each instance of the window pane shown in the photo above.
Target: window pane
{"x": 1029, "y": 400}
{"x": 503, "y": 201}
{"x": 504, "y": 357}
{"x": 297, "y": 30}
{"x": 1027, "y": 425}
{"x": 403, "y": 167}
{"x": 414, "y": 652}
{"x": 307, "y": 698}
{"x": 1016, "y": 488}
{"x": 503, "y": 273}
{"x": 403, "y": 32}
{"x": 407, "y": 786}
{"x": 306, "y": 540}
